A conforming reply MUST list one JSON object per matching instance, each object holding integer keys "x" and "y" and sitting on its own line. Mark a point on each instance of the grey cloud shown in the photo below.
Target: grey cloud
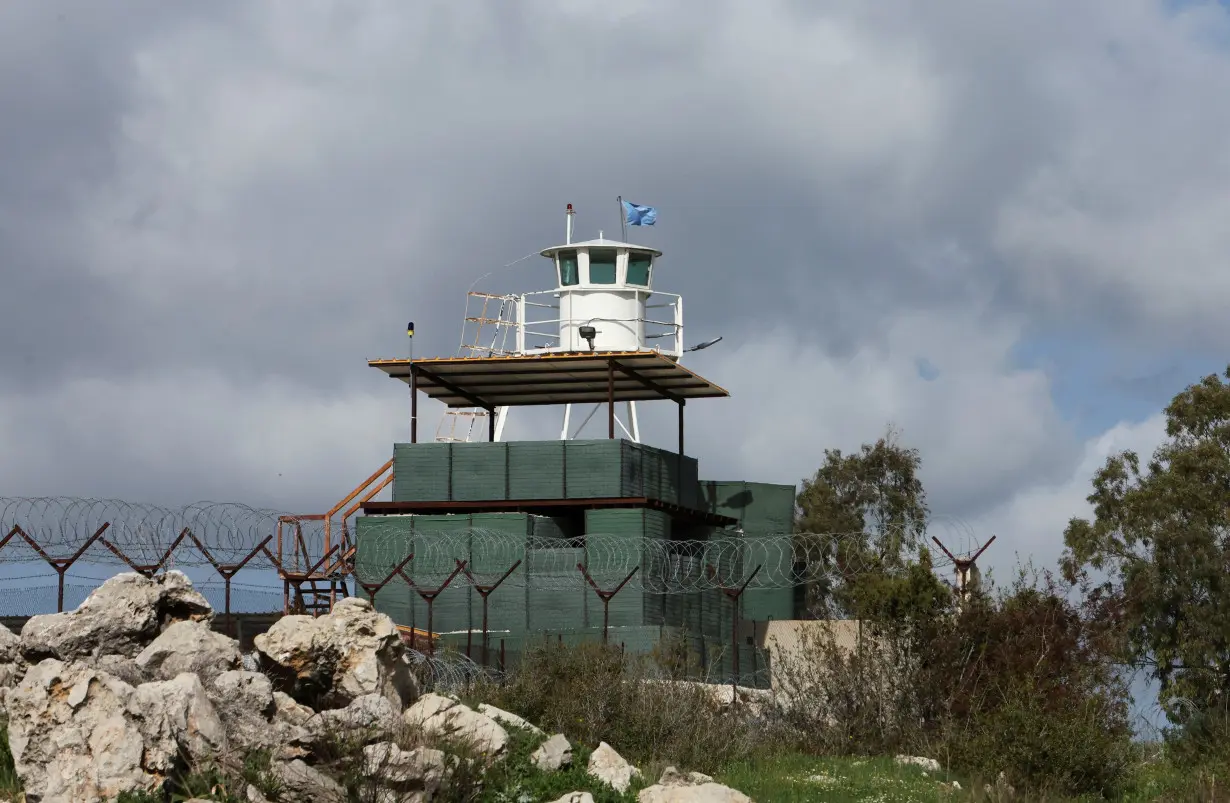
{"x": 273, "y": 190}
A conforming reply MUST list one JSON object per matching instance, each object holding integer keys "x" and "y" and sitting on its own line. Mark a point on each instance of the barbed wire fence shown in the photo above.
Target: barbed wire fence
{"x": 67, "y": 533}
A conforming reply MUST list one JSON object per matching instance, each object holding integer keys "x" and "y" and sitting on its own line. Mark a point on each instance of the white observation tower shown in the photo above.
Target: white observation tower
{"x": 601, "y": 305}
{"x": 601, "y": 336}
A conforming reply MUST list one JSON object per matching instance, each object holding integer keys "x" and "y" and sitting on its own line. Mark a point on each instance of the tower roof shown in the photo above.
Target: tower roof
{"x": 601, "y": 242}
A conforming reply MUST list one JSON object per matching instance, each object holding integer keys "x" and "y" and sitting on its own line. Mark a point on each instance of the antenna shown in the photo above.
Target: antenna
{"x": 706, "y": 344}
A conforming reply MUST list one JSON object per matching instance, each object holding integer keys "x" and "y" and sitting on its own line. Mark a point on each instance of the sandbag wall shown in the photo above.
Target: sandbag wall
{"x": 530, "y": 470}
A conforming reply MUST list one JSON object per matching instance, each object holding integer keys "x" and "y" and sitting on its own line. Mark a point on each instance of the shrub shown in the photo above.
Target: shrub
{"x": 593, "y": 693}
{"x": 1025, "y": 684}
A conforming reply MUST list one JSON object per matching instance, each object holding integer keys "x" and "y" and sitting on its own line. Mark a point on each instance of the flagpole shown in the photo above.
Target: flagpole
{"x": 623, "y": 219}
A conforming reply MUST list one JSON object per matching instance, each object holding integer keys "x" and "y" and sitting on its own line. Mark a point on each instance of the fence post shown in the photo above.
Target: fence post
{"x": 605, "y": 596}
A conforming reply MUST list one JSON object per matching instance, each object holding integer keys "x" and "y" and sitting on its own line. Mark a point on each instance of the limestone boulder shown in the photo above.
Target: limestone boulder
{"x": 120, "y": 617}
{"x": 12, "y": 665}
{"x": 509, "y": 719}
{"x": 367, "y": 719}
{"x": 189, "y": 646}
{"x": 444, "y": 717}
{"x": 302, "y": 782}
{"x": 249, "y": 706}
{"x": 72, "y": 736}
{"x": 288, "y": 710}
{"x": 419, "y": 771}
{"x": 177, "y": 721}
{"x": 691, "y": 787}
{"x": 922, "y": 762}
{"x": 329, "y": 661}
{"x": 576, "y": 797}
{"x": 610, "y": 767}
{"x": 553, "y": 755}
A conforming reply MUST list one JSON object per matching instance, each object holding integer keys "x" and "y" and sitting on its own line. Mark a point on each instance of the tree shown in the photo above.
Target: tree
{"x": 860, "y": 515}
{"x": 1159, "y": 546}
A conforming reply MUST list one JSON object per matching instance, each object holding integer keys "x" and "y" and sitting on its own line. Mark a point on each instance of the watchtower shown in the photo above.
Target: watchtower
{"x": 551, "y": 519}
{"x": 601, "y": 335}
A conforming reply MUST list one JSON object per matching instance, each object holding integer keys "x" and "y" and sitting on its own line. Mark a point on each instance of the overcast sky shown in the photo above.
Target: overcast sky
{"x": 998, "y": 225}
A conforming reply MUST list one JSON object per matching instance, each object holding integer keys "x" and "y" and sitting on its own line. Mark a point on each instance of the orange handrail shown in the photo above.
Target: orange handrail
{"x": 350, "y": 498}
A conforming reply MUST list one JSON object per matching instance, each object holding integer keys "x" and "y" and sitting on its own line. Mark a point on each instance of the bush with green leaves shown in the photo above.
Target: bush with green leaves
{"x": 593, "y": 693}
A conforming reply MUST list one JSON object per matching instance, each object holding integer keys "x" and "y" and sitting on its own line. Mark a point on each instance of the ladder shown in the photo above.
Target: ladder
{"x": 485, "y": 334}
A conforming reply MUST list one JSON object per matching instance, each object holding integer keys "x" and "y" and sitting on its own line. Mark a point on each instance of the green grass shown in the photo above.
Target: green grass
{"x": 10, "y": 784}
{"x": 790, "y": 778}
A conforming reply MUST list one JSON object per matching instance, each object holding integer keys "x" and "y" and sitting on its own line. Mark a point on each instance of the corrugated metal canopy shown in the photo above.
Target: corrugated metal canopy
{"x": 573, "y": 378}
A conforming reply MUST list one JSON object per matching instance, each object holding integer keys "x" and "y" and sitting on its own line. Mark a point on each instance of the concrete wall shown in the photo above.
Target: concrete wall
{"x": 787, "y": 640}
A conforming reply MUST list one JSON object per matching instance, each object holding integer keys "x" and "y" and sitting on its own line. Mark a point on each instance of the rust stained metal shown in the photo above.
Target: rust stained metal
{"x": 559, "y": 378}
{"x": 60, "y": 565}
{"x": 605, "y": 595}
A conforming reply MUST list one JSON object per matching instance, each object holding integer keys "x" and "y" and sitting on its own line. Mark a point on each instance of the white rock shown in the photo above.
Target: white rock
{"x": 419, "y": 770}
{"x": 290, "y": 710}
{"x": 576, "y": 797}
{"x": 249, "y": 707}
{"x": 610, "y": 767}
{"x": 692, "y": 787}
{"x": 301, "y": 782}
{"x": 509, "y": 719}
{"x": 72, "y": 737}
{"x": 929, "y": 764}
{"x": 189, "y": 646}
{"x": 176, "y": 719}
{"x": 552, "y": 755}
{"x": 370, "y": 717}
{"x": 254, "y": 795}
{"x": 12, "y": 665}
{"x": 442, "y": 716}
{"x": 120, "y": 617}
{"x": 701, "y": 793}
{"x": 673, "y": 777}
{"x": 331, "y": 660}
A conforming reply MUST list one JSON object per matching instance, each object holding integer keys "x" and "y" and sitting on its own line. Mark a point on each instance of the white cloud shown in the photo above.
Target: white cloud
{"x": 1032, "y": 521}
{"x": 192, "y": 435}
{"x": 983, "y": 426}
{"x": 286, "y": 184}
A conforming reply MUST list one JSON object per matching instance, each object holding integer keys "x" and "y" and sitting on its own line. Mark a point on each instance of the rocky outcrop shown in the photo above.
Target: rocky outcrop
{"x": 928, "y": 764}
{"x": 188, "y": 646}
{"x": 690, "y": 787}
{"x": 552, "y": 755}
{"x": 419, "y": 771}
{"x": 509, "y": 719}
{"x": 73, "y": 737}
{"x": 133, "y": 689}
{"x": 328, "y": 662}
{"x": 610, "y": 767}
{"x": 177, "y": 722}
{"x": 78, "y": 733}
{"x": 133, "y": 686}
{"x": 302, "y": 782}
{"x": 120, "y": 618}
{"x": 367, "y": 719}
{"x": 443, "y": 717}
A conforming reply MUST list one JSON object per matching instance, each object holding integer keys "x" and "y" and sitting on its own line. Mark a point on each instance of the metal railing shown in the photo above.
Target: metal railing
{"x": 530, "y": 327}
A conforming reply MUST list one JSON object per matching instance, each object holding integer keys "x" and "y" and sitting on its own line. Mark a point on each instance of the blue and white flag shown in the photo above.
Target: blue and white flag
{"x": 637, "y": 215}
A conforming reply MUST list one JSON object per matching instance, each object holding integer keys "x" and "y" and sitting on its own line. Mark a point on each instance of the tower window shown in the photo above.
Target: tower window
{"x": 602, "y": 266}
{"x": 568, "y": 268}
{"x": 638, "y": 269}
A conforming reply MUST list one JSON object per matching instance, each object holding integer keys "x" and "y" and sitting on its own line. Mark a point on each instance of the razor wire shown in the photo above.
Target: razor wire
{"x": 429, "y": 559}
{"x": 229, "y": 532}
{"x": 109, "y": 531}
